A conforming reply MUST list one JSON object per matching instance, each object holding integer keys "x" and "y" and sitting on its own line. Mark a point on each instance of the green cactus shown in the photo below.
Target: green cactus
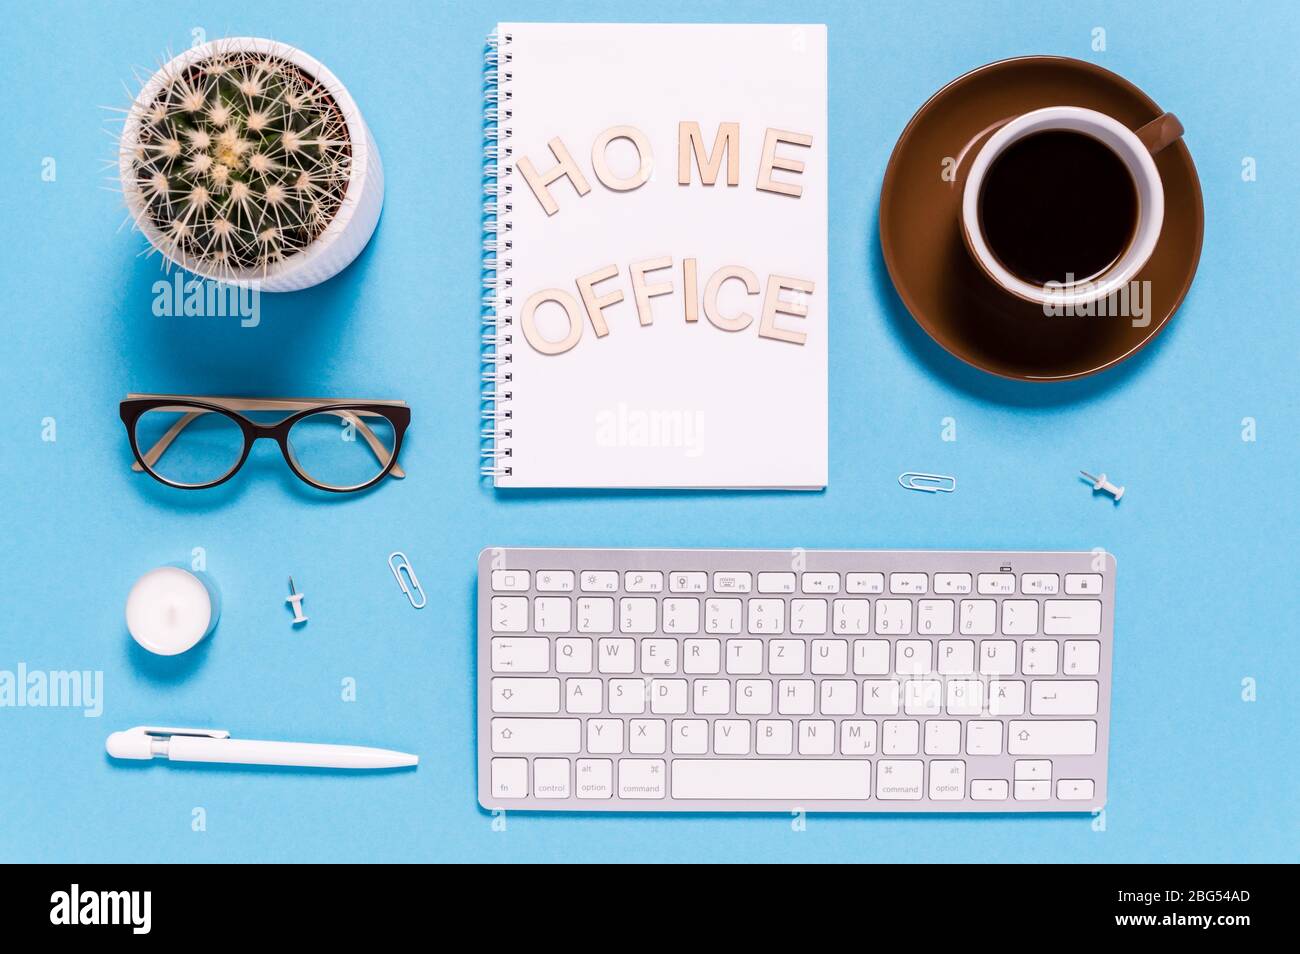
{"x": 240, "y": 161}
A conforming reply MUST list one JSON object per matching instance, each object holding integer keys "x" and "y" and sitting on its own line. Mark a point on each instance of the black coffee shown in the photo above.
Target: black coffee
{"x": 1057, "y": 204}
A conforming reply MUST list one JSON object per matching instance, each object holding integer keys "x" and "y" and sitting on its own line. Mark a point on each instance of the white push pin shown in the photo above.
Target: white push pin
{"x": 295, "y": 598}
{"x": 1101, "y": 483}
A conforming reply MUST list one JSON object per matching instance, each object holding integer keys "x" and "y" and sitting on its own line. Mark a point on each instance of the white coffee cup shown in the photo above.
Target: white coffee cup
{"x": 1134, "y": 149}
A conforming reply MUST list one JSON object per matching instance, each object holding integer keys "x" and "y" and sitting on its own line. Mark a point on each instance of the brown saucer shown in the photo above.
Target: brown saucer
{"x": 949, "y": 296}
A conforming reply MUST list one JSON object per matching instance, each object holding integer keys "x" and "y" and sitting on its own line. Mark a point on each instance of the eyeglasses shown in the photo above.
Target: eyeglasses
{"x": 198, "y": 442}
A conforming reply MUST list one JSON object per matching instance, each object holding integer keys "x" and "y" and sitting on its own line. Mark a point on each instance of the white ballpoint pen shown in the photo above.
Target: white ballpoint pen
{"x": 216, "y": 745}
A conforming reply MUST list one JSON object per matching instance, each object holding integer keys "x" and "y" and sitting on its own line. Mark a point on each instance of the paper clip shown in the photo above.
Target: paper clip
{"x": 414, "y": 589}
{"x": 929, "y": 483}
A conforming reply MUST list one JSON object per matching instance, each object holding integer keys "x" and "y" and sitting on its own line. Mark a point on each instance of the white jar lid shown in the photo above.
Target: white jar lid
{"x": 169, "y": 610}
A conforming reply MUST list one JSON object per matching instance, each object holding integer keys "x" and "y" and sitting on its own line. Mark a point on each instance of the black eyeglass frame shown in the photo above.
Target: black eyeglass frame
{"x": 136, "y": 405}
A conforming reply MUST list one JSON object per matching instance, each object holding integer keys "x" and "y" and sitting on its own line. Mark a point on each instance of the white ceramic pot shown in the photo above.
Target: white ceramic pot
{"x": 353, "y": 223}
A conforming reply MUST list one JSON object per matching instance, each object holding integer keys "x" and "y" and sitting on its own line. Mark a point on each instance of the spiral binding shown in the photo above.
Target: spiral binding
{"x": 495, "y": 453}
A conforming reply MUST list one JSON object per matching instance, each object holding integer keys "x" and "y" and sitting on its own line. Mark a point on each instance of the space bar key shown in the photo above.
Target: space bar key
{"x": 743, "y": 779}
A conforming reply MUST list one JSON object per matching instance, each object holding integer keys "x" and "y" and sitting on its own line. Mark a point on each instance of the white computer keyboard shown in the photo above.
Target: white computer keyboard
{"x": 778, "y": 680}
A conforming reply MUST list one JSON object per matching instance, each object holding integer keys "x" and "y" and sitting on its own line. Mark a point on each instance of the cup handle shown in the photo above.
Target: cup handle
{"x": 1162, "y": 131}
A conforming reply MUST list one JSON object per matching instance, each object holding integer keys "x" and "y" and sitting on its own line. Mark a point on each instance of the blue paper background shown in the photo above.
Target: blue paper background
{"x": 1205, "y": 537}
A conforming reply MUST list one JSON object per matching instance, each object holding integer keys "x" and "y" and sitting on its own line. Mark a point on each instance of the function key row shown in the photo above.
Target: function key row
{"x": 782, "y": 583}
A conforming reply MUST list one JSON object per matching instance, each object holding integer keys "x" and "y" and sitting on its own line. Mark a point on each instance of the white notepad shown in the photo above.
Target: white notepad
{"x": 711, "y": 369}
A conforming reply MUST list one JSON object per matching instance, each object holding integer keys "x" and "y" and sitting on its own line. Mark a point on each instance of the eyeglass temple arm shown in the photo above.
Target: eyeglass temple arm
{"x": 376, "y": 445}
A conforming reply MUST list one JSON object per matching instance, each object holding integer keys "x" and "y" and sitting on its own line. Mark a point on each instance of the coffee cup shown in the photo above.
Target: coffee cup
{"x": 1063, "y": 206}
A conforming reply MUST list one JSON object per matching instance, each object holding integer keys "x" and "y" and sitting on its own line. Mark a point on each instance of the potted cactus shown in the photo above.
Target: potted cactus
{"x": 246, "y": 161}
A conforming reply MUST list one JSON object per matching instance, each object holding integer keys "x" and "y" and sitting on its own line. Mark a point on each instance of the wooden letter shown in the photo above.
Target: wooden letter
{"x": 773, "y": 305}
{"x": 739, "y": 272}
{"x": 643, "y": 292}
{"x": 566, "y": 167}
{"x": 644, "y": 157}
{"x": 570, "y": 306}
{"x": 596, "y": 305}
{"x": 690, "y": 139}
{"x": 772, "y": 161}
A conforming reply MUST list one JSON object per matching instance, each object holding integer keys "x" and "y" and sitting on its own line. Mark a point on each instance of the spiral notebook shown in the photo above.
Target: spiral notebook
{"x": 655, "y": 256}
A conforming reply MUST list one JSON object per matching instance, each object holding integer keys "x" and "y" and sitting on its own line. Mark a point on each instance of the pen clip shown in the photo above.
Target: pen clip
{"x": 162, "y": 731}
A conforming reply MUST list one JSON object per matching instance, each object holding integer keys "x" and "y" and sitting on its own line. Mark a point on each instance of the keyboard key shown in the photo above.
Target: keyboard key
{"x": 510, "y": 581}
{"x": 956, "y": 656}
{"x": 839, "y": 697}
{"x": 947, "y": 584}
{"x": 864, "y": 582}
{"x": 599, "y": 581}
{"x": 893, "y": 617}
{"x": 898, "y": 779}
{"x": 753, "y": 697}
{"x": 1052, "y": 738}
{"x": 880, "y": 697}
{"x": 1082, "y": 584}
{"x": 922, "y": 696}
{"x": 527, "y": 695}
{"x": 870, "y": 657}
{"x": 537, "y": 736}
{"x": 681, "y": 616}
{"x": 605, "y": 736}
{"x": 595, "y": 778}
{"x": 616, "y": 655}
{"x": 934, "y": 617}
{"x": 573, "y": 654}
{"x": 807, "y": 616}
{"x": 688, "y": 582}
{"x": 1070, "y": 789}
{"x": 1033, "y": 770}
{"x": 659, "y": 655}
{"x": 912, "y": 656}
{"x": 767, "y": 617}
{"x": 584, "y": 696}
{"x": 596, "y": 614}
{"x": 732, "y": 582}
{"x": 642, "y": 778}
{"x": 1038, "y": 657}
{"x": 722, "y": 616}
{"x": 900, "y": 737}
{"x": 759, "y": 779}
{"x": 711, "y": 697}
{"x": 521, "y": 654}
{"x": 1033, "y": 790}
{"x": 794, "y": 696}
{"x": 1082, "y": 657}
{"x": 989, "y": 789}
{"x": 668, "y": 696}
{"x": 1019, "y": 617}
{"x": 1006, "y": 697}
{"x": 626, "y": 696}
{"x": 776, "y": 582}
{"x": 977, "y": 617}
{"x": 942, "y": 737}
{"x": 553, "y": 614}
{"x": 996, "y": 584}
{"x": 509, "y": 614}
{"x": 555, "y": 581}
{"x": 857, "y": 737}
{"x": 964, "y": 697}
{"x": 690, "y": 736}
{"x": 551, "y": 778}
{"x": 775, "y": 737}
{"x": 647, "y": 737}
{"x": 914, "y": 583}
{"x": 830, "y": 657}
{"x": 983, "y": 737}
{"x": 816, "y": 737}
{"x": 744, "y": 657}
{"x": 997, "y": 657}
{"x": 1063, "y": 697}
{"x": 643, "y": 581}
{"x": 852, "y": 617}
{"x": 947, "y": 779}
{"x": 731, "y": 737}
{"x": 637, "y": 614}
{"x": 1072, "y": 617}
{"x": 821, "y": 582}
{"x": 510, "y": 778}
{"x": 702, "y": 656}
{"x": 1040, "y": 584}
{"x": 785, "y": 657}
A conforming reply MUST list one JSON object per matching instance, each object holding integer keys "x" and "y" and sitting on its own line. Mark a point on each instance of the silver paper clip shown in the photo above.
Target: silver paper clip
{"x": 929, "y": 483}
{"x": 414, "y": 589}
